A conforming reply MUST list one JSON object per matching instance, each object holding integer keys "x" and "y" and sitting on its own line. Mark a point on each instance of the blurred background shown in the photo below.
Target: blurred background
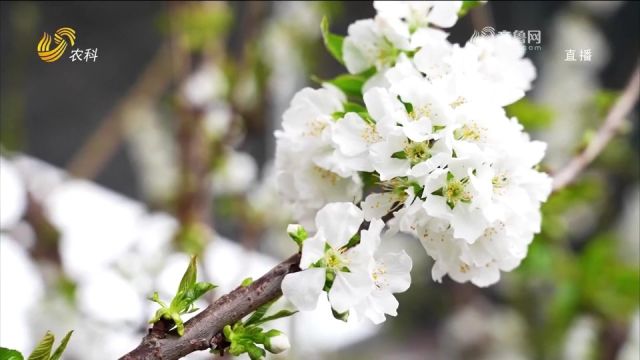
{"x": 115, "y": 167}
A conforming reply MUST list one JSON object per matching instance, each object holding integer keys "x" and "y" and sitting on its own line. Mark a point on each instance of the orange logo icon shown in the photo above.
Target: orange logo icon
{"x": 62, "y": 38}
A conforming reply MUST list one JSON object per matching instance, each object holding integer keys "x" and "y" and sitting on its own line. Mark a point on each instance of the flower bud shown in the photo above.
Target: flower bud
{"x": 297, "y": 233}
{"x": 294, "y": 228}
{"x": 277, "y": 344}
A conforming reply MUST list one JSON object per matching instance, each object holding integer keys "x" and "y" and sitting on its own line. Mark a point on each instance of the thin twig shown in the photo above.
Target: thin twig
{"x": 201, "y": 329}
{"x": 612, "y": 123}
{"x": 103, "y": 143}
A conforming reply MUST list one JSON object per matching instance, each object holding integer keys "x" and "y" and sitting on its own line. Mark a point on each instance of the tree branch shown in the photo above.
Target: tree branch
{"x": 203, "y": 330}
{"x": 612, "y": 123}
{"x": 159, "y": 344}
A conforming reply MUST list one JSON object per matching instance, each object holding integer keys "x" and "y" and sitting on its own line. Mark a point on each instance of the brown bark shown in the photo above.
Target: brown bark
{"x": 199, "y": 332}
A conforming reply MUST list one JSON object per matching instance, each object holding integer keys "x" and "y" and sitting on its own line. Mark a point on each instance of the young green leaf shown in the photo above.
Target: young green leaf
{"x": 332, "y": 42}
{"x": 297, "y": 233}
{"x": 256, "y": 353}
{"x": 156, "y": 298}
{"x": 280, "y": 314}
{"x": 258, "y": 314}
{"x": 9, "y": 354}
{"x": 243, "y": 338}
{"x": 200, "y": 289}
{"x": 354, "y": 107}
{"x": 349, "y": 84}
{"x": 63, "y": 345}
{"x": 246, "y": 282}
{"x": 43, "y": 349}
{"x": 183, "y": 302}
{"x": 189, "y": 277}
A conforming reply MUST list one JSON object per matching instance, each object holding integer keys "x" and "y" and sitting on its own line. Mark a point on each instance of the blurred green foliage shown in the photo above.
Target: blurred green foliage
{"x": 42, "y": 350}
{"x": 197, "y": 25}
{"x": 531, "y": 115}
{"x": 563, "y": 277}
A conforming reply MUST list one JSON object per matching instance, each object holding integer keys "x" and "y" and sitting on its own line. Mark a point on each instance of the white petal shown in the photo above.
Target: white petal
{"x": 339, "y": 222}
{"x": 486, "y": 276}
{"x": 348, "y": 289}
{"x": 378, "y": 79}
{"x": 381, "y": 104}
{"x": 398, "y": 271}
{"x": 348, "y": 134}
{"x": 312, "y": 250}
{"x": 385, "y": 303}
{"x": 377, "y": 205}
{"x": 397, "y": 9}
{"x": 427, "y": 36}
{"x": 467, "y": 224}
{"x": 304, "y": 288}
{"x": 371, "y": 238}
{"x": 369, "y": 309}
{"x": 362, "y": 33}
{"x": 437, "y": 207}
{"x": 444, "y": 13}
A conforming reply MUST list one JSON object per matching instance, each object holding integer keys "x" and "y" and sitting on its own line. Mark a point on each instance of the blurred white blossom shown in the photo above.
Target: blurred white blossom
{"x": 236, "y": 174}
{"x": 581, "y": 339}
{"x": 631, "y": 347}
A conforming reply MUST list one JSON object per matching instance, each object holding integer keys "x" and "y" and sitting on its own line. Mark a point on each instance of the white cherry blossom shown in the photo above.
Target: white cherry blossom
{"x": 420, "y": 14}
{"x": 433, "y": 146}
{"x": 390, "y": 274}
{"x": 302, "y": 148}
{"x": 374, "y": 43}
{"x": 326, "y": 256}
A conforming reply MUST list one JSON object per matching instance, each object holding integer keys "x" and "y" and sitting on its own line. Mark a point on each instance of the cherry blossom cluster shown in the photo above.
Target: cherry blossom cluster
{"x": 424, "y": 147}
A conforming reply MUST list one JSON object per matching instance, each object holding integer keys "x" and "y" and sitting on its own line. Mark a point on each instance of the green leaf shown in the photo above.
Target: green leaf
{"x": 246, "y": 282}
{"x": 399, "y": 155}
{"x": 200, "y": 289}
{"x": 354, "y": 107}
{"x": 369, "y": 179}
{"x": 349, "y": 84}
{"x": 332, "y": 42}
{"x": 156, "y": 298}
{"x": 255, "y": 353}
{"x": 63, "y": 345}
{"x": 280, "y": 314}
{"x": 468, "y": 5}
{"x": 183, "y": 302}
{"x": 189, "y": 277}
{"x": 9, "y": 354}
{"x": 227, "y": 331}
{"x": 258, "y": 314}
{"x": 43, "y": 349}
